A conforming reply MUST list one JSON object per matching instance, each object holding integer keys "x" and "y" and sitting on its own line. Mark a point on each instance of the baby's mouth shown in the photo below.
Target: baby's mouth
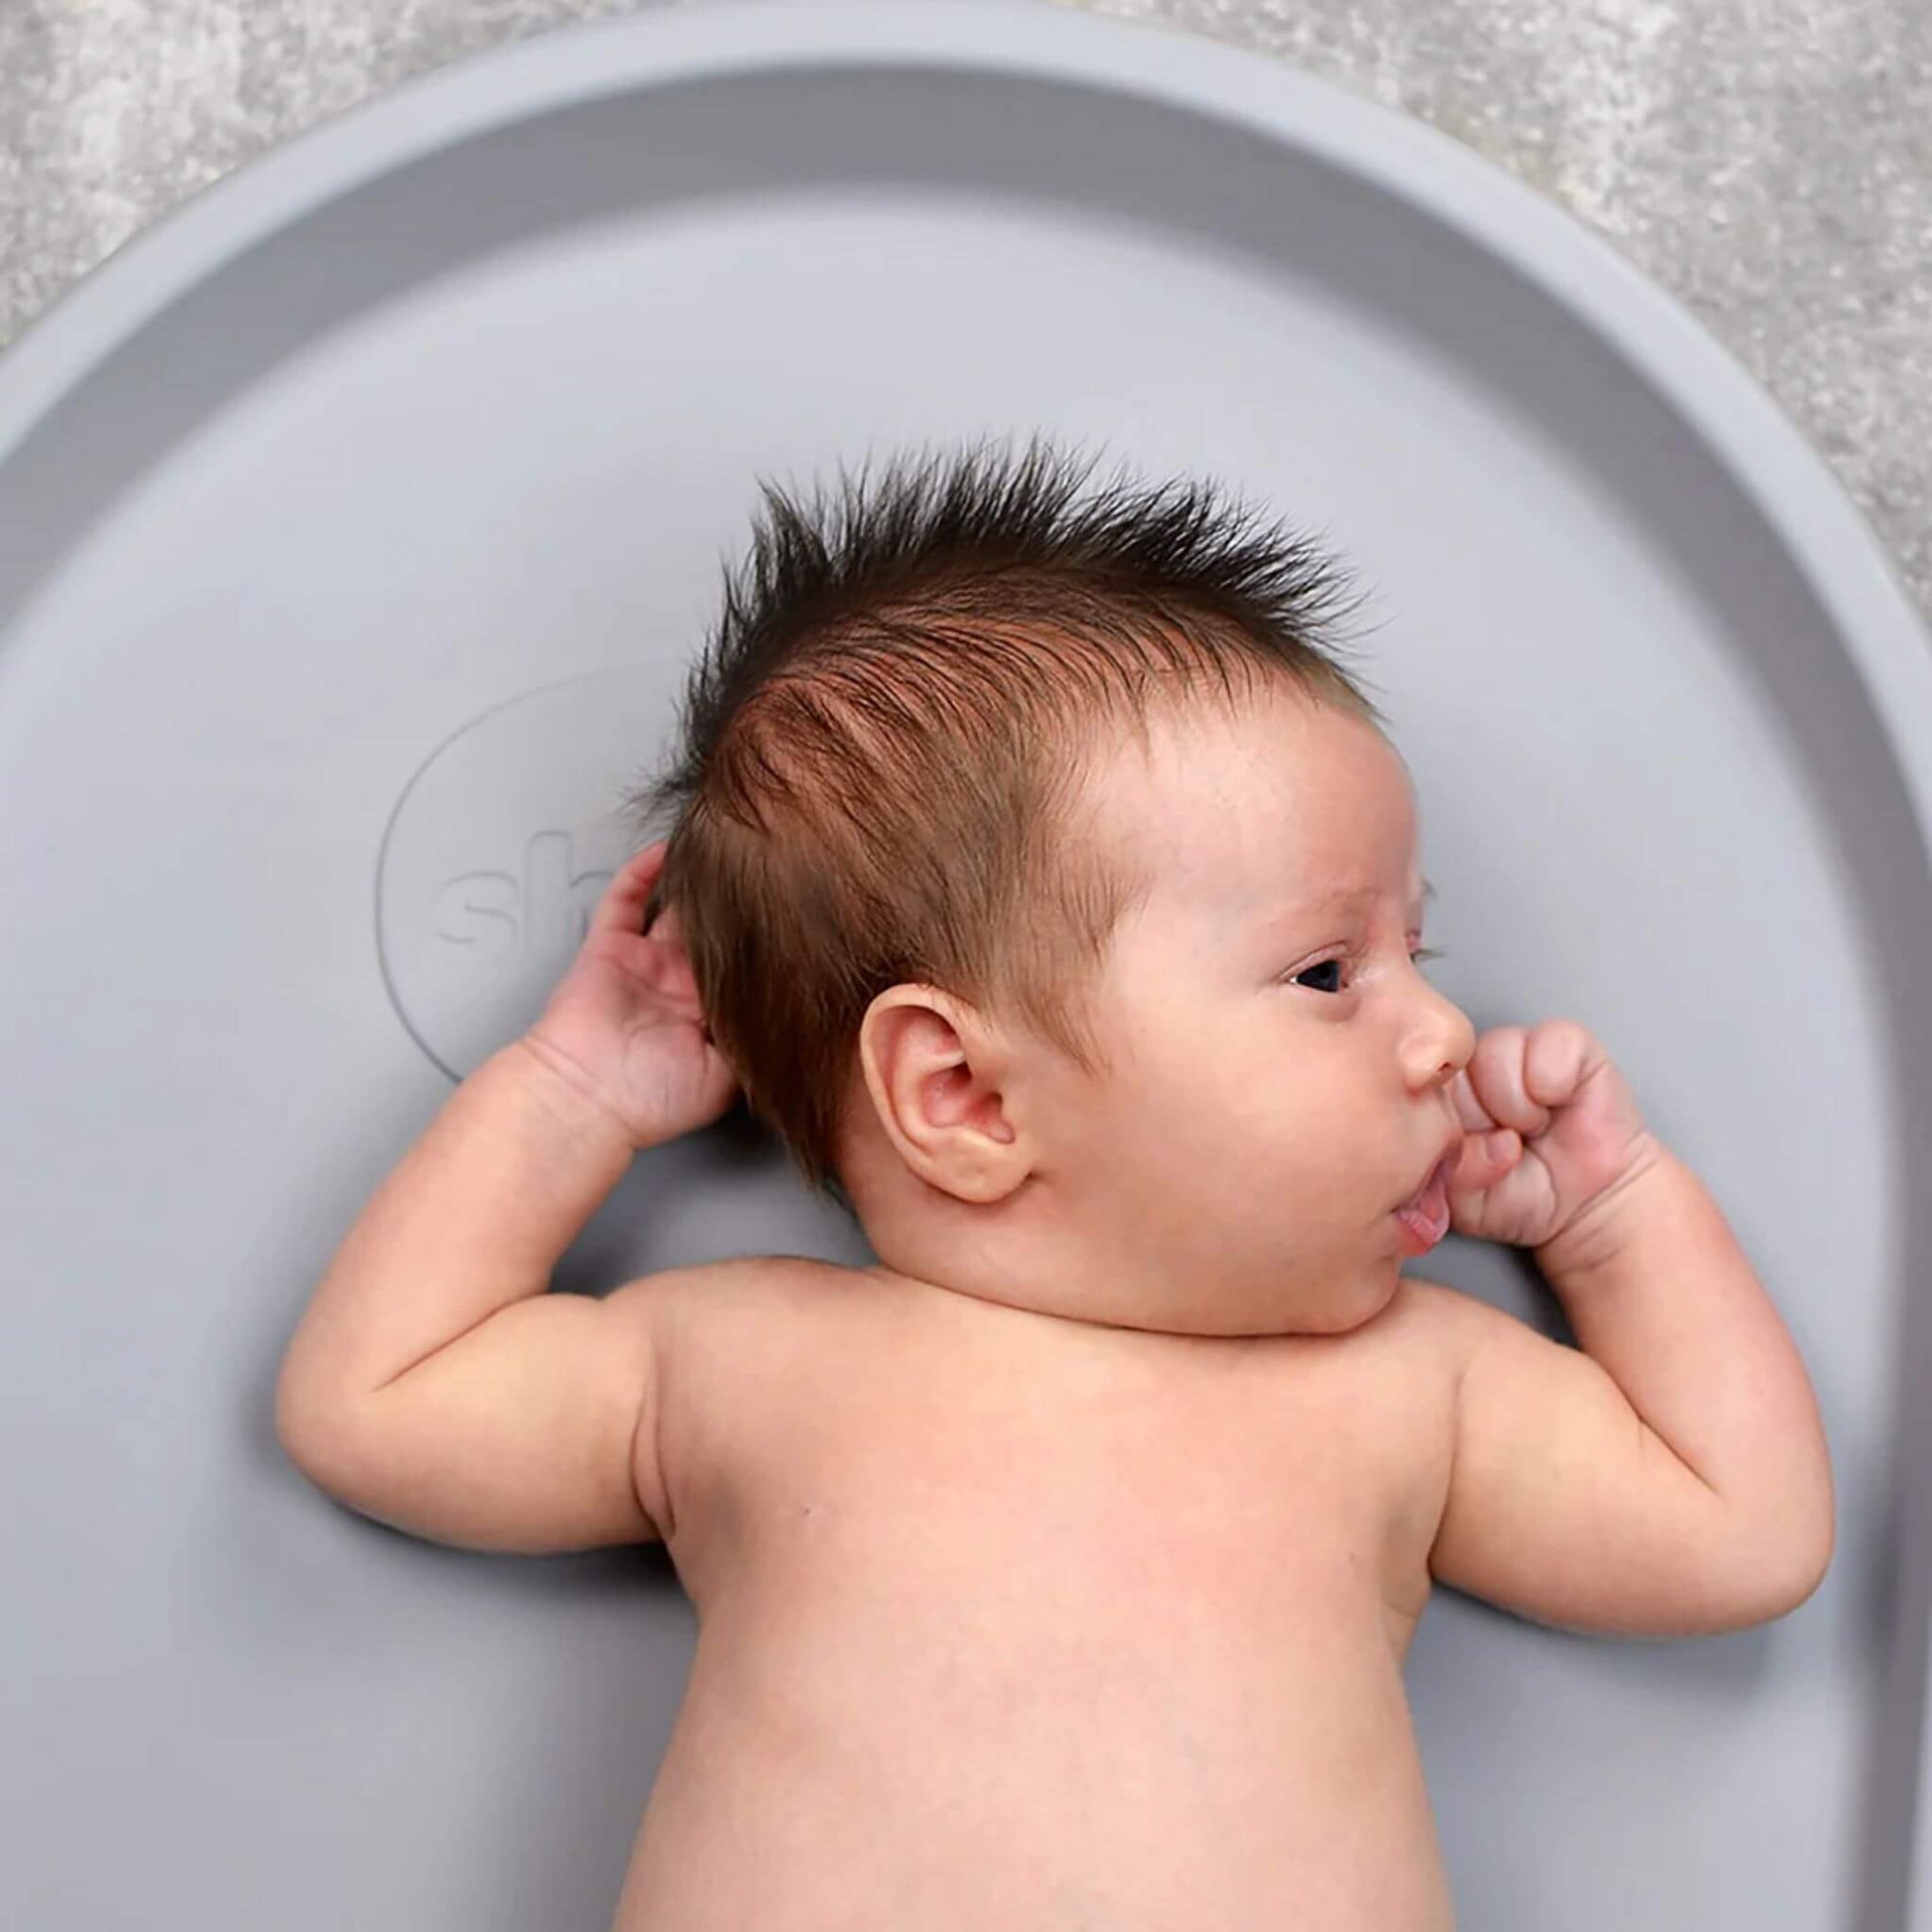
{"x": 1444, "y": 1172}
{"x": 1424, "y": 1215}
{"x": 1429, "y": 1204}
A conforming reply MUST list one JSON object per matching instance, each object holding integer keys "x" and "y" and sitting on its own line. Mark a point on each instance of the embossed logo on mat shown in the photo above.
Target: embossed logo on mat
{"x": 498, "y": 851}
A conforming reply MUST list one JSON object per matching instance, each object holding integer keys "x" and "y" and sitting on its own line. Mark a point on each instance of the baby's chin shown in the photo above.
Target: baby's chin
{"x": 1332, "y": 1311}
{"x": 1337, "y": 1307}
{"x": 1365, "y": 1310}
{"x": 1335, "y": 1303}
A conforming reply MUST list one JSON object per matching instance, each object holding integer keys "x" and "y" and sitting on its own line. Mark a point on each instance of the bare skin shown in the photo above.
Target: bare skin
{"x": 1009, "y": 1620}
{"x": 1058, "y": 1571}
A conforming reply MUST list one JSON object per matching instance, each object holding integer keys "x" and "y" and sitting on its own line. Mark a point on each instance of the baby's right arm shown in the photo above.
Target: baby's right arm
{"x": 437, "y": 1384}
{"x": 1669, "y": 1479}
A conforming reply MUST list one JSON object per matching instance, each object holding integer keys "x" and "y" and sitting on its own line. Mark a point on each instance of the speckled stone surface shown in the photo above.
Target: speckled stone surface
{"x": 1768, "y": 161}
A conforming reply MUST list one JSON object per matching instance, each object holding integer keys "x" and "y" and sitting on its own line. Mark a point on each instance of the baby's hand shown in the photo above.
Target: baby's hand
{"x": 624, "y": 1023}
{"x": 1552, "y": 1134}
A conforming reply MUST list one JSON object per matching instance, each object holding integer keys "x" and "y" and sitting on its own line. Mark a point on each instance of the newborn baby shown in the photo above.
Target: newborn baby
{"x": 1044, "y": 882}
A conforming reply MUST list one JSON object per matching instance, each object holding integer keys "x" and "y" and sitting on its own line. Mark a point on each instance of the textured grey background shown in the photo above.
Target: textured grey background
{"x": 1767, "y": 161}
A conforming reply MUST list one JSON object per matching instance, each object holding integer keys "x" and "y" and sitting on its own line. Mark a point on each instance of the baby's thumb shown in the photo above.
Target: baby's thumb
{"x": 1493, "y": 1154}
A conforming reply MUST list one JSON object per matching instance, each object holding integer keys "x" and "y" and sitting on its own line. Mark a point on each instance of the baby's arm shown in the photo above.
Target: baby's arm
{"x": 1672, "y": 1479}
{"x": 435, "y": 1385}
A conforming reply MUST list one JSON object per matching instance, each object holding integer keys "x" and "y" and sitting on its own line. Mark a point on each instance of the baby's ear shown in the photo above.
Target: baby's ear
{"x": 933, "y": 1076}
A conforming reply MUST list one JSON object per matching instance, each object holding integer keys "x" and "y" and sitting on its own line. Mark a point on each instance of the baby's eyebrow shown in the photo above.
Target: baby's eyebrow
{"x": 1334, "y": 896}
{"x": 1354, "y": 894}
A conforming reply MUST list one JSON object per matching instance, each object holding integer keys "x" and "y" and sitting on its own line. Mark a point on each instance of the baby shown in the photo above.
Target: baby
{"x": 1044, "y": 881}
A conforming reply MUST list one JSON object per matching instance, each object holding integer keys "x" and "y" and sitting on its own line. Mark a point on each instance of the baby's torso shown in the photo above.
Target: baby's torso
{"x": 1007, "y": 1622}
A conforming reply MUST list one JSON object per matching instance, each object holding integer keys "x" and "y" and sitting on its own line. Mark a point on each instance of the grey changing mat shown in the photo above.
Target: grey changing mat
{"x": 356, "y": 525}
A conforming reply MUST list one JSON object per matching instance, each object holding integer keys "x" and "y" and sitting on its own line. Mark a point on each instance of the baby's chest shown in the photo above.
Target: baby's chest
{"x": 1228, "y": 1521}
{"x": 1081, "y": 1639}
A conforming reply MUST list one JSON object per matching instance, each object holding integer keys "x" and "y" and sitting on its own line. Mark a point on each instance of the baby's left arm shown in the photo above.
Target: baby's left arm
{"x": 1670, "y": 1477}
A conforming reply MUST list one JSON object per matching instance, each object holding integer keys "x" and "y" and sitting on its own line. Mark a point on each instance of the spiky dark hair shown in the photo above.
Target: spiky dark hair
{"x": 881, "y": 761}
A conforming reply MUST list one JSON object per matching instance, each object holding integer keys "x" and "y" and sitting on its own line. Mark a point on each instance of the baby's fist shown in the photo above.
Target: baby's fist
{"x": 1551, "y": 1131}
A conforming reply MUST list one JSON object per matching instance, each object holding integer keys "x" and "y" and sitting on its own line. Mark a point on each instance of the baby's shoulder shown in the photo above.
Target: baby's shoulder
{"x": 754, "y": 1289}
{"x": 1397, "y": 1374}
{"x": 1426, "y": 1328}
{"x": 749, "y": 1318}
{"x": 1439, "y": 1324}
{"x": 1404, "y": 1390}
{"x": 1420, "y": 1307}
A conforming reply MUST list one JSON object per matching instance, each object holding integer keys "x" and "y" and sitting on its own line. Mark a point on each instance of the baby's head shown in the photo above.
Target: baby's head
{"x": 1051, "y": 890}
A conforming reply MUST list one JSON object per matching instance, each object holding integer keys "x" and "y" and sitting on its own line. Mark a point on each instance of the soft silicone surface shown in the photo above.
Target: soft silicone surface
{"x": 356, "y": 525}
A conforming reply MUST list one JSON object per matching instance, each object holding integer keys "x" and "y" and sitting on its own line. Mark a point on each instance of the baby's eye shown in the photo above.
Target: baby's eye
{"x": 1326, "y": 966}
{"x": 1420, "y": 954}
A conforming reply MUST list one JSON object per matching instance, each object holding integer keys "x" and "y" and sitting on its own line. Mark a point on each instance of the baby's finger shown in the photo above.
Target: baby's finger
{"x": 631, "y": 885}
{"x": 1559, "y": 1056}
{"x": 1470, "y": 1113}
{"x": 1496, "y": 1074}
{"x": 1486, "y": 1158}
